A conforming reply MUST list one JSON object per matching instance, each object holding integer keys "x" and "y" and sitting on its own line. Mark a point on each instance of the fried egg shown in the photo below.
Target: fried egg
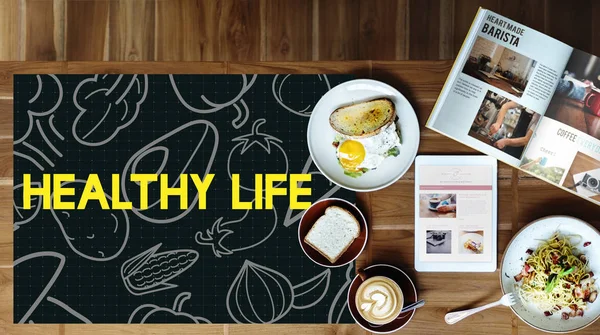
{"x": 361, "y": 154}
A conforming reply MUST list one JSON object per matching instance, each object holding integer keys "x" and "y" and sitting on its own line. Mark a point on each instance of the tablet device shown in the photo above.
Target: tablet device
{"x": 456, "y": 213}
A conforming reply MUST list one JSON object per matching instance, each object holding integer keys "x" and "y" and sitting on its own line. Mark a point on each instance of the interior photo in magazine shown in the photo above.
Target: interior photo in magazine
{"x": 504, "y": 124}
{"x": 498, "y": 66}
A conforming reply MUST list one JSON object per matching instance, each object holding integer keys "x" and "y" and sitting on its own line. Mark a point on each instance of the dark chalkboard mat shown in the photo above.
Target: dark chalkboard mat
{"x": 168, "y": 266}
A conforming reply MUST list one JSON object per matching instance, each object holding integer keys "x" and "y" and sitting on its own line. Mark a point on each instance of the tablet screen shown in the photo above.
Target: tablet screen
{"x": 455, "y": 213}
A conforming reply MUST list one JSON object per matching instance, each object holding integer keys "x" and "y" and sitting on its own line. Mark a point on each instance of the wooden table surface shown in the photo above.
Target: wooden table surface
{"x": 390, "y": 212}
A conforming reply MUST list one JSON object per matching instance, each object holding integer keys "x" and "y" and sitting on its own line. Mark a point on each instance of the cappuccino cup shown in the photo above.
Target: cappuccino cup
{"x": 379, "y": 299}
{"x": 434, "y": 202}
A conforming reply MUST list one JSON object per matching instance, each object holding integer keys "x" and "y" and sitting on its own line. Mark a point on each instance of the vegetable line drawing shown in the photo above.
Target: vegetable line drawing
{"x": 174, "y": 167}
{"x": 278, "y": 85}
{"x": 243, "y": 113}
{"x": 339, "y": 305}
{"x": 24, "y": 149}
{"x": 92, "y": 240}
{"x": 61, "y": 265}
{"x": 228, "y": 237}
{"x": 68, "y": 309}
{"x": 31, "y": 113}
{"x": 22, "y": 216}
{"x": 289, "y": 219}
{"x": 263, "y": 144}
{"x": 104, "y": 104}
{"x": 150, "y": 272}
{"x": 43, "y": 294}
{"x": 150, "y": 313}
{"x": 255, "y": 281}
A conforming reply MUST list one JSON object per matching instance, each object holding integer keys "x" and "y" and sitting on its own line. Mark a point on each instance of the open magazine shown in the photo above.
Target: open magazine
{"x": 527, "y": 99}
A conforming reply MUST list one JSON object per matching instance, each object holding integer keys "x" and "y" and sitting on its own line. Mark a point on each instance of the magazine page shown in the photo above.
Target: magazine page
{"x": 565, "y": 149}
{"x": 500, "y": 85}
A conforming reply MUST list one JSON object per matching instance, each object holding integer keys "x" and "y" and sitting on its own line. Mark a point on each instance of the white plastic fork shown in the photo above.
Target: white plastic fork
{"x": 506, "y": 300}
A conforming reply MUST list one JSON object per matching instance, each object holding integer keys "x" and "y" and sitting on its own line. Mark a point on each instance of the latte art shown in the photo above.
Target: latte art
{"x": 379, "y": 300}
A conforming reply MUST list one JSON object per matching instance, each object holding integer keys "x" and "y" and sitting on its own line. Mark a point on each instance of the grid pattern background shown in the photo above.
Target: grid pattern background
{"x": 96, "y": 243}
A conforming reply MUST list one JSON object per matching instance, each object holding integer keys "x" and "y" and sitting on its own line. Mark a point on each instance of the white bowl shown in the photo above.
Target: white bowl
{"x": 320, "y": 135}
{"x": 514, "y": 258}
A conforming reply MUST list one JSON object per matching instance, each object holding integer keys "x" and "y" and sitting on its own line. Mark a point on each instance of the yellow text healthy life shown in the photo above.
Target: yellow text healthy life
{"x": 52, "y": 191}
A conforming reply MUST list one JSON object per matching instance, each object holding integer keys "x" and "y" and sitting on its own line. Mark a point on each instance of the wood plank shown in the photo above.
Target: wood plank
{"x": 147, "y": 67}
{"x": 561, "y": 14}
{"x": 384, "y": 30}
{"x": 6, "y": 227}
{"x": 595, "y": 29}
{"x": 337, "y": 30}
{"x": 538, "y": 199}
{"x": 289, "y": 30}
{"x": 8, "y": 69}
{"x": 44, "y": 30}
{"x": 131, "y": 31}
{"x": 87, "y": 30}
{"x": 414, "y": 79}
{"x": 239, "y": 31}
{"x": 529, "y": 13}
{"x": 186, "y": 31}
{"x": 424, "y": 29}
{"x": 10, "y": 30}
{"x": 446, "y": 31}
{"x": 361, "y": 69}
{"x": 464, "y": 13}
{"x": 6, "y": 158}
{"x": 430, "y": 320}
{"x": 283, "y": 329}
{"x": 6, "y": 118}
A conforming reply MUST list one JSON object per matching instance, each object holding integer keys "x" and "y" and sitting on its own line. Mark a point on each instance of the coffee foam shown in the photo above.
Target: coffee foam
{"x": 379, "y": 300}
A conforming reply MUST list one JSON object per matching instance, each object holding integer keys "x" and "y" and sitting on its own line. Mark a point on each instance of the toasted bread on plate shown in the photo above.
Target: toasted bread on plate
{"x": 333, "y": 233}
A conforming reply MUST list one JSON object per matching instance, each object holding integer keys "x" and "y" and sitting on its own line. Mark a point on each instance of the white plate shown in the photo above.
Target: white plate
{"x": 529, "y": 238}
{"x": 320, "y": 135}
{"x": 472, "y": 236}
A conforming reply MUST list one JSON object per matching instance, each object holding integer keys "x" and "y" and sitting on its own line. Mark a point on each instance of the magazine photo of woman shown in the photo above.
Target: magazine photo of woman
{"x": 504, "y": 124}
{"x": 522, "y": 132}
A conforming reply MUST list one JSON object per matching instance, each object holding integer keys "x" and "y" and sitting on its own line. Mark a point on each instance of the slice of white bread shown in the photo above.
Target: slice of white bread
{"x": 363, "y": 119}
{"x": 333, "y": 233}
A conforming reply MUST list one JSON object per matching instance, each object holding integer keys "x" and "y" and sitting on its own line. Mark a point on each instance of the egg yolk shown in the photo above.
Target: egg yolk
{"x": 351, "y": 154}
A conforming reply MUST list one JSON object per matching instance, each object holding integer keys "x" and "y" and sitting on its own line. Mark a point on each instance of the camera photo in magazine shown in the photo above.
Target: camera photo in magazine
{"x": 499, "y": 66}
{"x": 504, "y": 124}
{"x": 583, "y": 176}
{"x": 576, "y": 100}
{"x": 439, "y": 241}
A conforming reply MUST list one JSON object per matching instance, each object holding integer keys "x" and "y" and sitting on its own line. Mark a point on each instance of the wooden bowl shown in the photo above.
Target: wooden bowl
{"x": 317, "y": 210}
